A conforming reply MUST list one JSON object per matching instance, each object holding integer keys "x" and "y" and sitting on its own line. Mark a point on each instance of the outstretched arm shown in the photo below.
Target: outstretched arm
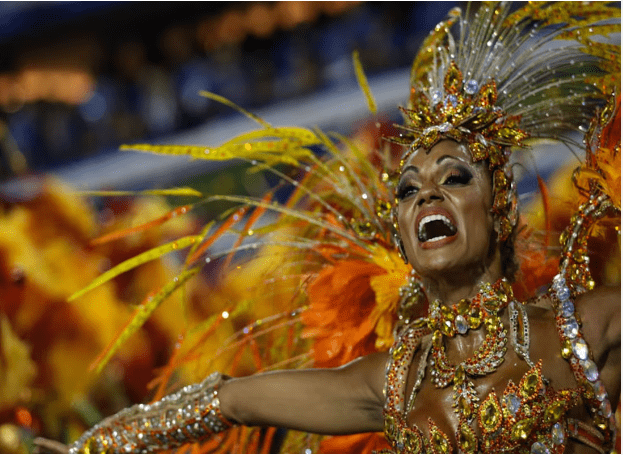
{"x": 342, "y": 400}
{"x": 333, "y": 401}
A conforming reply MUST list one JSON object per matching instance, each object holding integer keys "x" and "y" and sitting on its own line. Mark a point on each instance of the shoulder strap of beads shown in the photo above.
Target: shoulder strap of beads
{"x": 400, "y": 358}
{"x": 574, "y": 279}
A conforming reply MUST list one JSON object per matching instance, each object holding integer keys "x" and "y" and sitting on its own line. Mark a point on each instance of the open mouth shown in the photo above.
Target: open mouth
{"x": 432, "y": 228}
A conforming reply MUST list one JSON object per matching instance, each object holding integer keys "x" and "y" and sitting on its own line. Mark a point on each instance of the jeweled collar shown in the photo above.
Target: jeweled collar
{"x": 470, "y": 313}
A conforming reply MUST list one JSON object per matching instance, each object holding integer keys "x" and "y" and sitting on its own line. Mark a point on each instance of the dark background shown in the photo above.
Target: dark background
{"x": 79, "y": 78}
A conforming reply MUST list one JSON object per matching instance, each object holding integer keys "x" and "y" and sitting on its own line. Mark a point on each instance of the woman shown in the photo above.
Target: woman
{"x": 481, "y": 372}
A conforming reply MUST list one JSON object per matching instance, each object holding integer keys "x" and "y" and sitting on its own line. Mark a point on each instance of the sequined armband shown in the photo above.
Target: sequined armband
{"x": 190, "y": 415}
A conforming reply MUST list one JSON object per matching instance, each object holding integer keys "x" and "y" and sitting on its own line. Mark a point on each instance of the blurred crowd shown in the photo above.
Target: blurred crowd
{"x": 65, "y": 98}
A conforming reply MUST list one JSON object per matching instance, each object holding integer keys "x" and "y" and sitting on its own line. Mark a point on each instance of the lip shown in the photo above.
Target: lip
{"x": 437, "y": 243}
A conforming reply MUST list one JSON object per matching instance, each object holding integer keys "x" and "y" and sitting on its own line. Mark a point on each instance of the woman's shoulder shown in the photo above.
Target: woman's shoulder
{"x": 600, "y": 313}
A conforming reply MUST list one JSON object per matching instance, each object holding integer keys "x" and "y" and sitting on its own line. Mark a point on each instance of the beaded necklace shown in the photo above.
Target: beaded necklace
{"x": 467, "y": 314}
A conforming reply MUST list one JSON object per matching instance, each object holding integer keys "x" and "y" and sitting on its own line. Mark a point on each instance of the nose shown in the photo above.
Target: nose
{"x": 428, "y": 194}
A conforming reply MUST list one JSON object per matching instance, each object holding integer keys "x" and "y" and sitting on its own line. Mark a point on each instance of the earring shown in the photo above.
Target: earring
{"x": 401, "y": 248}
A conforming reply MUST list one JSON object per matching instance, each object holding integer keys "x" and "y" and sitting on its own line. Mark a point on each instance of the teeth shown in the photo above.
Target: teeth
{"x": 428, "y": 219}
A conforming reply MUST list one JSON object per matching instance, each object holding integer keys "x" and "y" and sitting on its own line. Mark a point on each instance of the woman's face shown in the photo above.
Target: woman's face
{"x": 444, "y": 210}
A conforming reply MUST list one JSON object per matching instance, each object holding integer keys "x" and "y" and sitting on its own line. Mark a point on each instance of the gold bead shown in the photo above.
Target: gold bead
{"x": 566, "y": 350}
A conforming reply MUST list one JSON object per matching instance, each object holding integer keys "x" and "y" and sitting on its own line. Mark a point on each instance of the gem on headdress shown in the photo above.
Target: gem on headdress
{"x": 471, "y": 87}
{"x": 478, "y": 151}
{"x": 451, "y": 100}
{"x": 437, "y": 95}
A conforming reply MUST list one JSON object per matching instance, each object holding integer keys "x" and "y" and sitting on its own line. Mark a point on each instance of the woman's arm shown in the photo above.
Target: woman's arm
{"x": 333, "y": 401}
{"x": 342, "y": 400}
{"x": 600, "y": 312}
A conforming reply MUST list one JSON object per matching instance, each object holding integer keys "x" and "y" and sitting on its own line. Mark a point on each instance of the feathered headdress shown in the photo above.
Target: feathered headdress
{"x": 495, "y": 78}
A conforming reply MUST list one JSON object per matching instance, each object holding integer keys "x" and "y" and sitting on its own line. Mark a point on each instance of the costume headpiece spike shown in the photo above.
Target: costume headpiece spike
{"x": 509, "y": 76}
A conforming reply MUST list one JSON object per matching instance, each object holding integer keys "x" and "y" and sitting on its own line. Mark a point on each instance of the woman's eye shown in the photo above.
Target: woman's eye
{"x": 458, "y": 177}
{"x": 406, "y": 190}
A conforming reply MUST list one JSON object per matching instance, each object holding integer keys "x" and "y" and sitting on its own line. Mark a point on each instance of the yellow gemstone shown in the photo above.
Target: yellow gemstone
{"x": 90, "y": 446}
{"x": 478, "y": 151}
{"x": 530, "y": 384}
{"x": 600, "y": 421}
{"x": 464, "y": 407}
{"x": 564, "y": 237}
{"x": 437, "y": 339}
{"x": 489, "y": 416}
{"x": 521, "y": 430}
{"x": 412, "y": 442}
{"x": 579, "y": 255}
{"x": 490, "y": 413}
{"x": 463, "y": 306}
{"x": 398, "y": 351}
{"x": 440, "y": 444}
{"x": 491, "y": 324}
{"x": 590, "y": 284}
{"x": 447, "y": 328}
{"x": 554, "y": 411}
{"x": 446, "y": 312}
{"x": 566, "y": 350}
{"x": 467, "y": 440}
{"x": 459, "y": 375}
{"x": 492, "y": 304}
{"x": 589, "y": 392}
{"x": 475, "y": 318}
{"x": 390, "y": 426}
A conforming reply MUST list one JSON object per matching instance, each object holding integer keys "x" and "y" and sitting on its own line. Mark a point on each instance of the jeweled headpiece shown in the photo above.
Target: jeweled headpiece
{"x": 506, "y": 77}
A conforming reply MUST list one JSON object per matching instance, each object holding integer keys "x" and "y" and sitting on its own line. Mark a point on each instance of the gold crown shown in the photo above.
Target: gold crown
{"x": 466, "y": 112}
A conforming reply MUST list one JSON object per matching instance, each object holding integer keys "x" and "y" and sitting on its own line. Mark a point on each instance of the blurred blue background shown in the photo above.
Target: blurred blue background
{"x": 77, "y": 79}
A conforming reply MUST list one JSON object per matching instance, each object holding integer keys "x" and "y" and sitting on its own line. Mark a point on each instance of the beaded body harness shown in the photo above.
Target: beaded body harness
{"x": 529, "y": 417}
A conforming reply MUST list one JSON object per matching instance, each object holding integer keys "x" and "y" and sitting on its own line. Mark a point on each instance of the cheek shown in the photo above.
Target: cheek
{"x": 479, "y": 214}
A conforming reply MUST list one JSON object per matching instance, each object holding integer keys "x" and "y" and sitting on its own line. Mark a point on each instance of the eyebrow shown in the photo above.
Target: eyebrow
{"x": 440, "y": 160}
